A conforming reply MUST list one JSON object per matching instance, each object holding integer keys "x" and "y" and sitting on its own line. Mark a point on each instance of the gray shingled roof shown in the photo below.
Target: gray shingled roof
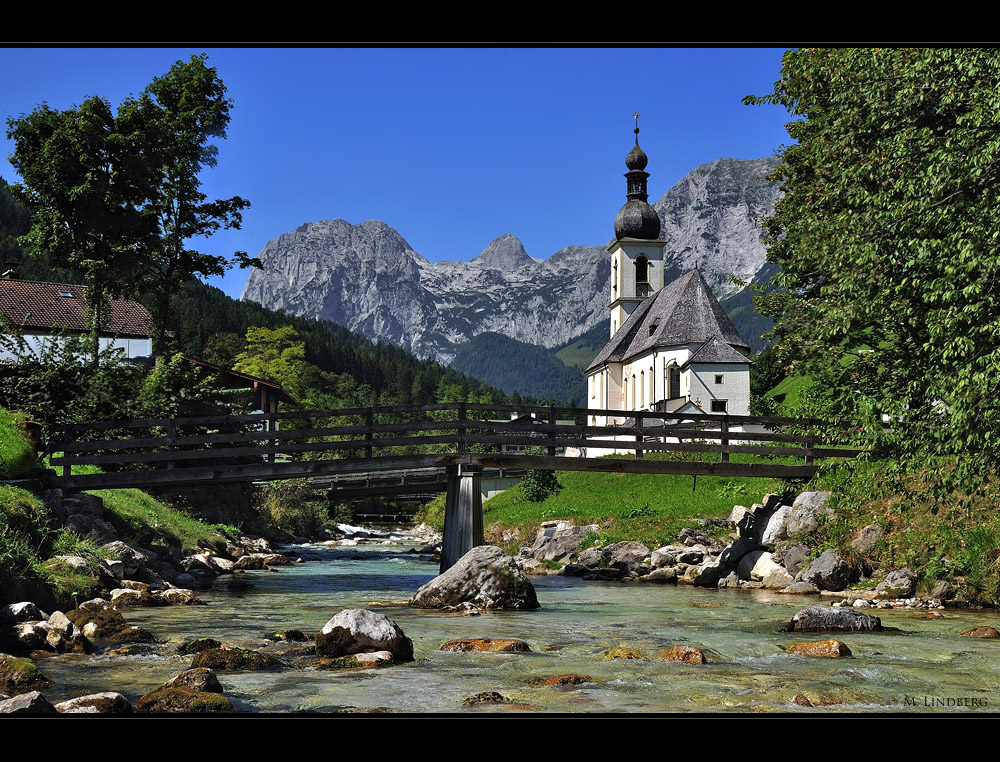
{"x": 684, "y": 312}
{"x": 716, "y": 350}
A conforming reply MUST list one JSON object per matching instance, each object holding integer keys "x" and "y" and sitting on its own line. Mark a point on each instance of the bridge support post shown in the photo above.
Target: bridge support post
{"x": 463, "y": 514}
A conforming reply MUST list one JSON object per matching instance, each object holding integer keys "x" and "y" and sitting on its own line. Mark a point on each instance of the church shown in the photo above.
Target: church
{"x": 673, "y": 349}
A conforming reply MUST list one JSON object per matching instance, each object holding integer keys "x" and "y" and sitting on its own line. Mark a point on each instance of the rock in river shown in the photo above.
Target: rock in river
{"x": 485, "y": 577}
{"x": 829, "y": 619}
{"x": 355, "y": 631}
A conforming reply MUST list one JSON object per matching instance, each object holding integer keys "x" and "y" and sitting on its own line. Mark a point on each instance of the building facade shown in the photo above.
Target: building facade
{"x": 672, "y": 347}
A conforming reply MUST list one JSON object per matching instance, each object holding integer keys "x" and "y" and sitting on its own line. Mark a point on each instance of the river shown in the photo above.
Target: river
{"x": 926, "y": 667}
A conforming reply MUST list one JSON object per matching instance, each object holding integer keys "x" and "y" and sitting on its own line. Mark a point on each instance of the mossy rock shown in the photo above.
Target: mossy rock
{"x": 183, "y": 700}
{"x": 340, "y": 662}
{"x": 830, "y": 649}
{"x": 21, "y": 676}
{"x": 624, "y": 653}
{"x": 566, "y": 680}
{"x": 198, "y": 645}
{"x": 487, "y": 645}
{"x": 981, "y": 632}
{"x": 105, "y": 622}
{"x": 235, "y": 659}
{"x": 686, "y": 654}
{"x": 132, "y": 634}
{"x": 288, "y": 636}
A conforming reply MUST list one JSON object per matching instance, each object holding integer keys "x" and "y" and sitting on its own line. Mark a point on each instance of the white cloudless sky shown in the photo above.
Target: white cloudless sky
{"x": 451, "y": 146}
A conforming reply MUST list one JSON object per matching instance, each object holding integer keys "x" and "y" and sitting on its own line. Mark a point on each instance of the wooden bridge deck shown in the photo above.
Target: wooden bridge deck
{"x": 324, "y": 443}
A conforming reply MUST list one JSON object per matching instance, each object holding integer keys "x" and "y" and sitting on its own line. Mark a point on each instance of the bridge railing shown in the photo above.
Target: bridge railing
{"x": 381, "y": 431}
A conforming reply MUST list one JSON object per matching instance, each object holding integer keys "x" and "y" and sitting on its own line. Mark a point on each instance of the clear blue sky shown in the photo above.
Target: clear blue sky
{"x": 452, "y": 147}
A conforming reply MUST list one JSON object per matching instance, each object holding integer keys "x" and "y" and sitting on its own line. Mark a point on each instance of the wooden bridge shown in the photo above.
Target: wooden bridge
{"x": 460, "y": 438}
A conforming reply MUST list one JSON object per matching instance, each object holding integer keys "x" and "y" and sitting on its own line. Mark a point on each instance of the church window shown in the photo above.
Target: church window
{"x": 673, "y": 381}
{"x": 720, "y": 406}
{"x": 719, "y": 378}
{"x": 642, "y": 388}
{"x": 641, "y": 276}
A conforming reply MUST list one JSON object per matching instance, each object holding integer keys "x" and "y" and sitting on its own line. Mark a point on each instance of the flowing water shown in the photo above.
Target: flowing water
{"x": 926, "y": 667}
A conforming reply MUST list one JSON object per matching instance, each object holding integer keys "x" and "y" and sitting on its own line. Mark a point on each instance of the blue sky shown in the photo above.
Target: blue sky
{"x": 452, "y": 147}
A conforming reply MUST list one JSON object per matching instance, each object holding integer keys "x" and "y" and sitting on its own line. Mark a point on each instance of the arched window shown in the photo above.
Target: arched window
{"x": 614, "y": 279}
{"x": 642, "y": 388}
{"x": 633, "y": 391}
{"x": 673, "y": 381}
{"x": 641, "y": 276}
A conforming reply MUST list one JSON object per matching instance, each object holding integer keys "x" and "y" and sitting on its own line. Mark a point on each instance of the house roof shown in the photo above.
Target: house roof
{"x": 44, "y": 306}
{"x": 246, "y": 380}
{"x": 681, "y": 313}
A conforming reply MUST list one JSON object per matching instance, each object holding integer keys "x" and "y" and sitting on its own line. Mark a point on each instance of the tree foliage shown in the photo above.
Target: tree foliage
{"x": 117, "y": 194}
{"x": 886, "y": 237}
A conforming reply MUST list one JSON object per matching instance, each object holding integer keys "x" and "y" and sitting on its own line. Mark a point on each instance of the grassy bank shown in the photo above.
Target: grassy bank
{"x": 31, "y": 537}
{"x": 649, "y": 508}
{"x": 956, "y": 539}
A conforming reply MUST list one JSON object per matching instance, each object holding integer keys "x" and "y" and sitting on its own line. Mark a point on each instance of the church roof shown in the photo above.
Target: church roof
{"x": 717, "y": 350}
{"x": 684, "y": 312}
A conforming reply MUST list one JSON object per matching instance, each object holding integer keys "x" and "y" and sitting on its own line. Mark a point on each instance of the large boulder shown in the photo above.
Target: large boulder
{"x": 901, "y": 583}
{"x": 830, "y": 619}
{"x": 355, "y": 631}
{"x": 21, "y": 676}
{"x": 27, "y": 703}
{"x": 829, "y": 572}
{"x": 96, "y": 703}
{"x": 486, "y": 577}
{"x": 808, "y": 512}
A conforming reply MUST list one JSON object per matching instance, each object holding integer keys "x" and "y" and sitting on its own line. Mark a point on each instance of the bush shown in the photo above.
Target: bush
{"x": 538, "y": 485}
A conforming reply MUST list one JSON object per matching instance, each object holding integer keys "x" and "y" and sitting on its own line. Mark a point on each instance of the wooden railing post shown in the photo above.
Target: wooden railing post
{"x": 552, "y": 434}
{"x": 724, "y": 457}
{"x": 810, "y": 443}
{"x": 171, "y": 436}
{"x": 461, "y": 426}
{"x": 638, "y": 437}
{"x": 369, "y": 425}
{"x": 271, "y": 425}
{"x": 67, "y": 439}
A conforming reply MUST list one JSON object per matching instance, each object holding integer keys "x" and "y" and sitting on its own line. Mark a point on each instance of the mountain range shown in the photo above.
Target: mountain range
{"x": 367, "y": 278}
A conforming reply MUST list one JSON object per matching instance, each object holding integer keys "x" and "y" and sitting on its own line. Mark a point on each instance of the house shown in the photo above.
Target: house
{"x": 45, "y": 310}
{"x": 673, "y": 349}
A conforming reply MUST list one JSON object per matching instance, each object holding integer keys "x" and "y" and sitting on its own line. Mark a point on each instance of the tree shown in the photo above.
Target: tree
{"x": 83, "y": 178}
{"x": 887, "y": 240}
{"x": 182, "y": 111}
{"x": 277, "y": 355}
{"x": 117, "y": 194}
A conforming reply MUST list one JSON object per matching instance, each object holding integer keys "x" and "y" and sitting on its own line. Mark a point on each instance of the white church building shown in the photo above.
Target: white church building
{"x": 673, "y": 349}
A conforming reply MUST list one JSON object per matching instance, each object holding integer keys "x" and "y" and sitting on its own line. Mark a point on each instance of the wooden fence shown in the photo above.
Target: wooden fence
{"x": 303, "y": 443}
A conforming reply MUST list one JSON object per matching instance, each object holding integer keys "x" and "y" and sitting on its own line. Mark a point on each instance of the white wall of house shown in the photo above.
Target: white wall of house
{"x": 134, "y": 347}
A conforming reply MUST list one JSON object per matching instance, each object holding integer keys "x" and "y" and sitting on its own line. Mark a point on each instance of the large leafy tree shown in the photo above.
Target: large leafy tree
{"x": 84, "y": 179}
{"x": 887, "y": 238}
{"x": 117, "y": 194}
{"x": 183, "y": 111}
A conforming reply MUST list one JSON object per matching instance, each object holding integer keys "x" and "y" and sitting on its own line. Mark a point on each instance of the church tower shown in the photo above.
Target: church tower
{"x": 637, "y": 252}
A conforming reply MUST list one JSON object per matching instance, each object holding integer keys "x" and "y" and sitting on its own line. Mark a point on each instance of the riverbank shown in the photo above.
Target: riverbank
{"x": 578, "y": 627}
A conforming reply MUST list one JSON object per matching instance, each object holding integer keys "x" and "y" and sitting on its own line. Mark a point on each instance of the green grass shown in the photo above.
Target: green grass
{"x": 788, "y": 393}
{"x": 649, "y": 508}
{"x": 17, "y": 455}
{"x": 145, "y": 518}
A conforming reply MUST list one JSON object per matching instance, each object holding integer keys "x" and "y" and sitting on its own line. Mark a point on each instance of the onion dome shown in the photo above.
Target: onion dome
{"x": 636, "y": 158}
{"x": 637, "y": 219}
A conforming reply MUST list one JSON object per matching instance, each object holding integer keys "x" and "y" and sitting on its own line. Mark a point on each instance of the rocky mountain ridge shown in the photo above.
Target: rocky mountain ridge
{"x": 367, "y": 278}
